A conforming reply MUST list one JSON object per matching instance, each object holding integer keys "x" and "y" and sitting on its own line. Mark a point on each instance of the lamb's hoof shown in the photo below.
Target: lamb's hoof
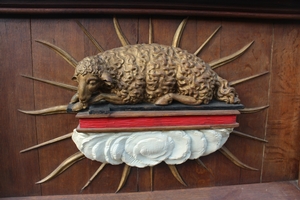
{"x": 164, "y": 100}
{"x": 77, "y": 106}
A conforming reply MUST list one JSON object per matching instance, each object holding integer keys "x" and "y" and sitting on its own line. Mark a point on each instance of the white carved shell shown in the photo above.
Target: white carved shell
{"x": 149, "y": 148}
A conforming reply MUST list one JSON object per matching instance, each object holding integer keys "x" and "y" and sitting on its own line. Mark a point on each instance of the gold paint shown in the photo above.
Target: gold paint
{"x": 150, "y": 31}
{"x": 62, "y": 85}
{"x": 120, "y": 34}
{"x": 253, "y": 110}
{"x": 176, "y": 174}
{"x": 234, "y": 159}
{"x": 47, "y": 111}
{"x": 248, "y": 136}
{"x": 178, "y": 33}
{"x": 222, "y": 61}
{"x": 124, "y": 177}
{"x": 66, "y": 56}
{"x": 94, "y": 175}
{"x": 48, "y": 142}
{"x": 92, "y": 39}
{"x": 63, "y": 166}
{"x": 232, "y": 83}
{"x": 168, "y": 64}
{"x": 207, "y": 40}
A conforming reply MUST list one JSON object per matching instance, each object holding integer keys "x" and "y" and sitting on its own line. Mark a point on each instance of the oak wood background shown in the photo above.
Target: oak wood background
{"x": 276, "y": 49}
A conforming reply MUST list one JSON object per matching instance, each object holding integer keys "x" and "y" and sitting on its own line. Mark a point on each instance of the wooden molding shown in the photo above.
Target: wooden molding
{"x": 264, "y": 9}
{"x": 274, "y": 190}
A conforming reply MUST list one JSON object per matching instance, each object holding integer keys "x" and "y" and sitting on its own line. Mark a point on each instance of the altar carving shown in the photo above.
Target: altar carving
{"x": 149, "y": 78}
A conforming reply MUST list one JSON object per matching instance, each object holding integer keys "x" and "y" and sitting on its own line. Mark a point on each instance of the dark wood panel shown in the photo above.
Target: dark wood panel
{"x": 282, "y": 151}
{"x": 299, "y": 177}
{"x": 253, "y": 93}
{"x": 49, "y": 65}
{"x": 17, "y": 130}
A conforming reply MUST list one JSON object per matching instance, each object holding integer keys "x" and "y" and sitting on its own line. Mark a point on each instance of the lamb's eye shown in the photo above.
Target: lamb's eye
{"x": 92, "y": 82}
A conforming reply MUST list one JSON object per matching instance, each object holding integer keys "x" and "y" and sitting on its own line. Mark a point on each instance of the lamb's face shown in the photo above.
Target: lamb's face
{"x": 88, "y": 85}
{"x": 91, "y": 78}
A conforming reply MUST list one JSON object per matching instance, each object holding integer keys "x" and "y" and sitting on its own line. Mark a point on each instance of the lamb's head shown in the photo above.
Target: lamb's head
{"x": 91, "y": 77}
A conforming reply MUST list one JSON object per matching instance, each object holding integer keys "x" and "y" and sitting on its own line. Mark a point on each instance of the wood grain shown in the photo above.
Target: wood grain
{"x": 49, "y": 65}
{"x": 282, "y": 151}
{"x": 299, "y": 177}
{"x": 276, "y": 49}
{"x": 252, "y": 93}
{"x": 16, "y": 129}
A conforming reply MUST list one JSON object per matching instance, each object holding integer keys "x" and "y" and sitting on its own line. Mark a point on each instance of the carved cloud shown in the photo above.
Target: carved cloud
{"x": 149, "y": 148}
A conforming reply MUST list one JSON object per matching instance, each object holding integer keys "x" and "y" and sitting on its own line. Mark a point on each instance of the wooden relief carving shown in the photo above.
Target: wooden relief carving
{"x": 159, "y": 75}
{"x": 151, "y": 73}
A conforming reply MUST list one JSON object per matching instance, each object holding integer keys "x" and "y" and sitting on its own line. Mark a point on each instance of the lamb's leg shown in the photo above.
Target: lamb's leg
{"x": 75, "y": 98}
{"x": 225, "y": 92}
{"x": 112, "y": 98}
{"x": 168, "y": 98}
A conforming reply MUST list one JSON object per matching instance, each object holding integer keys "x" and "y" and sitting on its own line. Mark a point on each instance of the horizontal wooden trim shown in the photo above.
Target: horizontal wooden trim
{"x": 140, "y": 11}
{"x": 254, "y": 5}
{"x": 273, "y": 190}
{"x": 264, "y": 9}
{"x": 157, "y": 128}
{"x": 117, "y": 114}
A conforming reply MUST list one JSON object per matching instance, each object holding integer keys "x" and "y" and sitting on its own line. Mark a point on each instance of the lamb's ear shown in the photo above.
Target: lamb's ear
{"x": 106, "y": 78}
{"x": 74, "y": 78}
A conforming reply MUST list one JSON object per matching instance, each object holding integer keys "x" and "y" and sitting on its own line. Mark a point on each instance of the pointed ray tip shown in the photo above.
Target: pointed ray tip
{"x": 124, "y": 177}
{"x": 58, "y": 139}
{"x": 231, "y": 83}
{"x": 82, "y": 189}
{"x": 235, "y": 160}
{"x": 178, "y": 33}
{"x": 40, "y": 182}
{"x": 25, "y": 150}
{"x": 124, "y": 41}
{"x": 253, "y": 110}
{"x": 90, "y": 36}
{"x": 67, "y": 163}
{"x": 21, "y": 110}
{"x": 47, "y": 111}
{"x": 249, "y": 136}
{"x": 93, "y": 177}
{"x": 66, "y": 56}
{"x": 26, "y": 111}
{"x": 176, "y": 174}
{"x": 224, "y": 60}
